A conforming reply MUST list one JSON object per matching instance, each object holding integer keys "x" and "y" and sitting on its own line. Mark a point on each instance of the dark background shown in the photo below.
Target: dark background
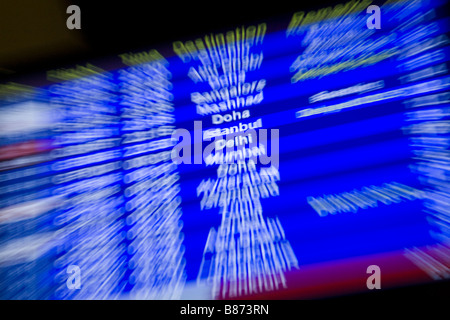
{"x": 34, "y": 36}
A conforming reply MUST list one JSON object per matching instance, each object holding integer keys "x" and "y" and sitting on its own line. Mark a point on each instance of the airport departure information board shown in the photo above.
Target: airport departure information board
{"x": 296, "y": 159}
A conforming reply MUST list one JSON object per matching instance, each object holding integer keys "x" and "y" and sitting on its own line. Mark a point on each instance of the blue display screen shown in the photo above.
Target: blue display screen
{"x": 235, "y": 164}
